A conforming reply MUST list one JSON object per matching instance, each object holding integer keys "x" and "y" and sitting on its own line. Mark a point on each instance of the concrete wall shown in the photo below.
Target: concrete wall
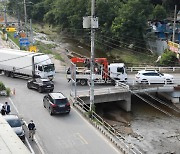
{"x": 123, "y": 99}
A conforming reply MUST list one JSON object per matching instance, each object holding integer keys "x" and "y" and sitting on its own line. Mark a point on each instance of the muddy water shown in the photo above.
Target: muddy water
{"x": 111, "y": 111}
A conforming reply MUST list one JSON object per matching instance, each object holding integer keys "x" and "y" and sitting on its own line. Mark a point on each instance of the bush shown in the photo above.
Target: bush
{"x": 168, "y": 58}
{"x": 8, "y": 91}
{"x": 2, "y": 86}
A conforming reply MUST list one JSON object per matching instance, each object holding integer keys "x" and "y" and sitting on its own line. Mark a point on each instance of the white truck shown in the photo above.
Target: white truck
{"x": 19, "y": 63}
{"x": 103, "y": 73}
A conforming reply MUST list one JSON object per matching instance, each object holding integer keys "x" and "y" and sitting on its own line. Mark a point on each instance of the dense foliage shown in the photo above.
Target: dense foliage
{"x": 120, "y": 20}
{"x": 168, "y": 58}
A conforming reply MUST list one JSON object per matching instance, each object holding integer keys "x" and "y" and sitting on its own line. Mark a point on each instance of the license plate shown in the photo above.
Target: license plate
{"x": 48, "y": 86}
{"x": 61, "y": 105}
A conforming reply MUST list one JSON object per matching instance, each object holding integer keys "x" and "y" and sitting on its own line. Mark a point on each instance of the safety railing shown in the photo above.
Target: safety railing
{"x": 107, "y": 129}
{"x": 160, "y": 69}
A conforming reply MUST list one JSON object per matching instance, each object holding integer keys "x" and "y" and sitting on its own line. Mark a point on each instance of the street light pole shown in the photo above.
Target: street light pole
{"x": 25, "y": 17}
{"x": 92, "y": 56}
{"x": 174, "y": 24}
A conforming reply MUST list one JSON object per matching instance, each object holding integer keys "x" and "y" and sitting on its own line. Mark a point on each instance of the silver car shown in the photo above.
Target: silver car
{"x": 149, "y": 77}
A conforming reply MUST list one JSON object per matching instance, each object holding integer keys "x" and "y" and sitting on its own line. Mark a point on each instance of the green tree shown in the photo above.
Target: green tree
{"x": 131, "y": 20}
{"x": 159, "y": 13}
{"x": 2, "y": 86}
{"x": 168, "y": 58}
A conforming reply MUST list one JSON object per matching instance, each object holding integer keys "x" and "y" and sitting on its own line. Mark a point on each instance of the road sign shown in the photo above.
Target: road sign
{"x": 24, "y": 42}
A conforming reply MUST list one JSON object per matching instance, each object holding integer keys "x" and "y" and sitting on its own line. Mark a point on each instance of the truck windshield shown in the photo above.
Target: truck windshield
{"x": 48, "y": 68}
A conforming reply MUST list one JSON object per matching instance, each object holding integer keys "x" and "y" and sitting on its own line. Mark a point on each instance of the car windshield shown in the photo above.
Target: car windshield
{"x": 48, "y": 68}
{"x": 14, "y": 123}
{"x": 61, "y": 101}
{"x": 161, "y": 74}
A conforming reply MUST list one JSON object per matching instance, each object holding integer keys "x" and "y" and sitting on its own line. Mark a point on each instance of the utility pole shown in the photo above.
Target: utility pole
{"x": 5, "y": 17}
{"x": 31, "y": 32}
{"x": 25, "y": 17}
{"x": 92, "y": 56}
{"x": 174, "y": 25}
{"x": 91, "y": 22}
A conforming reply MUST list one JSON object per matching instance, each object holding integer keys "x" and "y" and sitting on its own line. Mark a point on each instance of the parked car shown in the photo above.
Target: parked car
{"x": 41, "y": 85}
{"x": 149, "y": 77}
{"x": 56, "y": 103}
{"x": 17, "y": 124}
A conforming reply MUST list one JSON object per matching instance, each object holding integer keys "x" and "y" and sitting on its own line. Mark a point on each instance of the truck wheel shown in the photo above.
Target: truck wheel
{"x": 12, "y": 75}
{"x": 7, "y": 73}
{"x": 83, "y": 82}
{"x": 40, "y": 90}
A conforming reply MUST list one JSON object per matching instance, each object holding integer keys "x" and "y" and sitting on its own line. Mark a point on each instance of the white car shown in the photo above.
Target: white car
{"x": 149, "y": 77}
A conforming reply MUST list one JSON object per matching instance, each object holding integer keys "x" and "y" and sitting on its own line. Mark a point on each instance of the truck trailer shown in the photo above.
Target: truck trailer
{"x": 103, "y": 72}
{"x": 19, "y": 63}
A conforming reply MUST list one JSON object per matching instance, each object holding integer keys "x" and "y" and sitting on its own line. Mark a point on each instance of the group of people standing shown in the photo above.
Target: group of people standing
{"x": 6, "y": 109}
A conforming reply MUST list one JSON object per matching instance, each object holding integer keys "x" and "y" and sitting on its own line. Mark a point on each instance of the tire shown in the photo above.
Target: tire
{"x": 83, "y": 82}
{"x": 44, "y": 105}
{"x": 50, "y": 112}
{"x": 28, "y": 86}
{"x": 51, "y": 90}
{"x": 7, "y": 73}
{"x": 40, "y": 90}
{"x": 12, "y": 75}
{"x": 144, "y": 81}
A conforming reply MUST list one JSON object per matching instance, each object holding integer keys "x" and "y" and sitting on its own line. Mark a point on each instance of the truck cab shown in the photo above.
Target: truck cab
{"x": 117, "y": 71}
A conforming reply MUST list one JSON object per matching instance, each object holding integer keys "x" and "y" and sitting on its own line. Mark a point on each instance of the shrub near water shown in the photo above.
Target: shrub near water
{"x": 2, "y": 86}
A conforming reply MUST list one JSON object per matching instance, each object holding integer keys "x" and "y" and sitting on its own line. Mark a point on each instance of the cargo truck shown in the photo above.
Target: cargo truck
{"x": 19, "y": 63}
{"x": 103, "y": 72}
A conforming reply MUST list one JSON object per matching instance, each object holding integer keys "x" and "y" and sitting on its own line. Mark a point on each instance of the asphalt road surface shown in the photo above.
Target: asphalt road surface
{"x": 65, "y": 134}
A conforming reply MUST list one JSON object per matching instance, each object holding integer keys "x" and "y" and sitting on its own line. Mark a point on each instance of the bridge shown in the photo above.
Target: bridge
{"x": 122, "y": 94}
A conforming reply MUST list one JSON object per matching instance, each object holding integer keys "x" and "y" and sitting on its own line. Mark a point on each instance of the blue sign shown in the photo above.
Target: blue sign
{"x": 24, "y": 42}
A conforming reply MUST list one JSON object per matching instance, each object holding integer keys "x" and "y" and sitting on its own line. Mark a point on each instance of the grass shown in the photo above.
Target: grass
{"x": 15, "y": 40}
{"x": 133, "y": 57}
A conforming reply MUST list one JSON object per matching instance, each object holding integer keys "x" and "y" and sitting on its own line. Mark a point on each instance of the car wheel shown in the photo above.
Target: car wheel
{"x": 28, "y": 85}
{"x": 40, "y": 90}
{"x": 144, "y": 81}
{"x": 168, "y": 81}
{"x": 50, "y": 111}
{"x": 83, "y": 82}
{"x": 44, "y": 105}
{"x": 51, "y": 90}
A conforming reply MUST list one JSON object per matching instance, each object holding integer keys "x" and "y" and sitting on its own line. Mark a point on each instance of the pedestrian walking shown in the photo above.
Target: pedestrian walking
{"x": 3, "y": 110}
{"x": 7, "y": 107}
{"x": 32, "y": 128}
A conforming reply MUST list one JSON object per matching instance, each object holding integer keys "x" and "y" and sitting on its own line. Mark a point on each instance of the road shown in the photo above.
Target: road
{"x": 66, "y": 134}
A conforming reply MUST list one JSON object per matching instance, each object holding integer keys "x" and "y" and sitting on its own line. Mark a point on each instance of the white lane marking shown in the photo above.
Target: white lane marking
{"x": 32, "y": 151}
{"x": 13, "y": 105}
{"x": 83, "y": 139}
{"x": 97, "y": 132}
{"x": 35, "y": 139}
{"x": 30, "y": 147}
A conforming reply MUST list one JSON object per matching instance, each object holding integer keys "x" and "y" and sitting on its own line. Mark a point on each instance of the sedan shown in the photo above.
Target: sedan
{"x": 41, "y": 85}
{"x": 145, "y": 76}
{"x": 17, "y": 125}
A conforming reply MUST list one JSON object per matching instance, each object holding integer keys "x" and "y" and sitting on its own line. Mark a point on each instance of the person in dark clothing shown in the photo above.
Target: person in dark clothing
{"x": 32, "y": 128}
{"x": 3, "y": 110}
{"x": 7, "y": 107}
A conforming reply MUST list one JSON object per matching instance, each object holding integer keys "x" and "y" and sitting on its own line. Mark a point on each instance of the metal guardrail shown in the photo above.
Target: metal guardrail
{"x": 160, "y": 69}
{"x": 107, "y": 129}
